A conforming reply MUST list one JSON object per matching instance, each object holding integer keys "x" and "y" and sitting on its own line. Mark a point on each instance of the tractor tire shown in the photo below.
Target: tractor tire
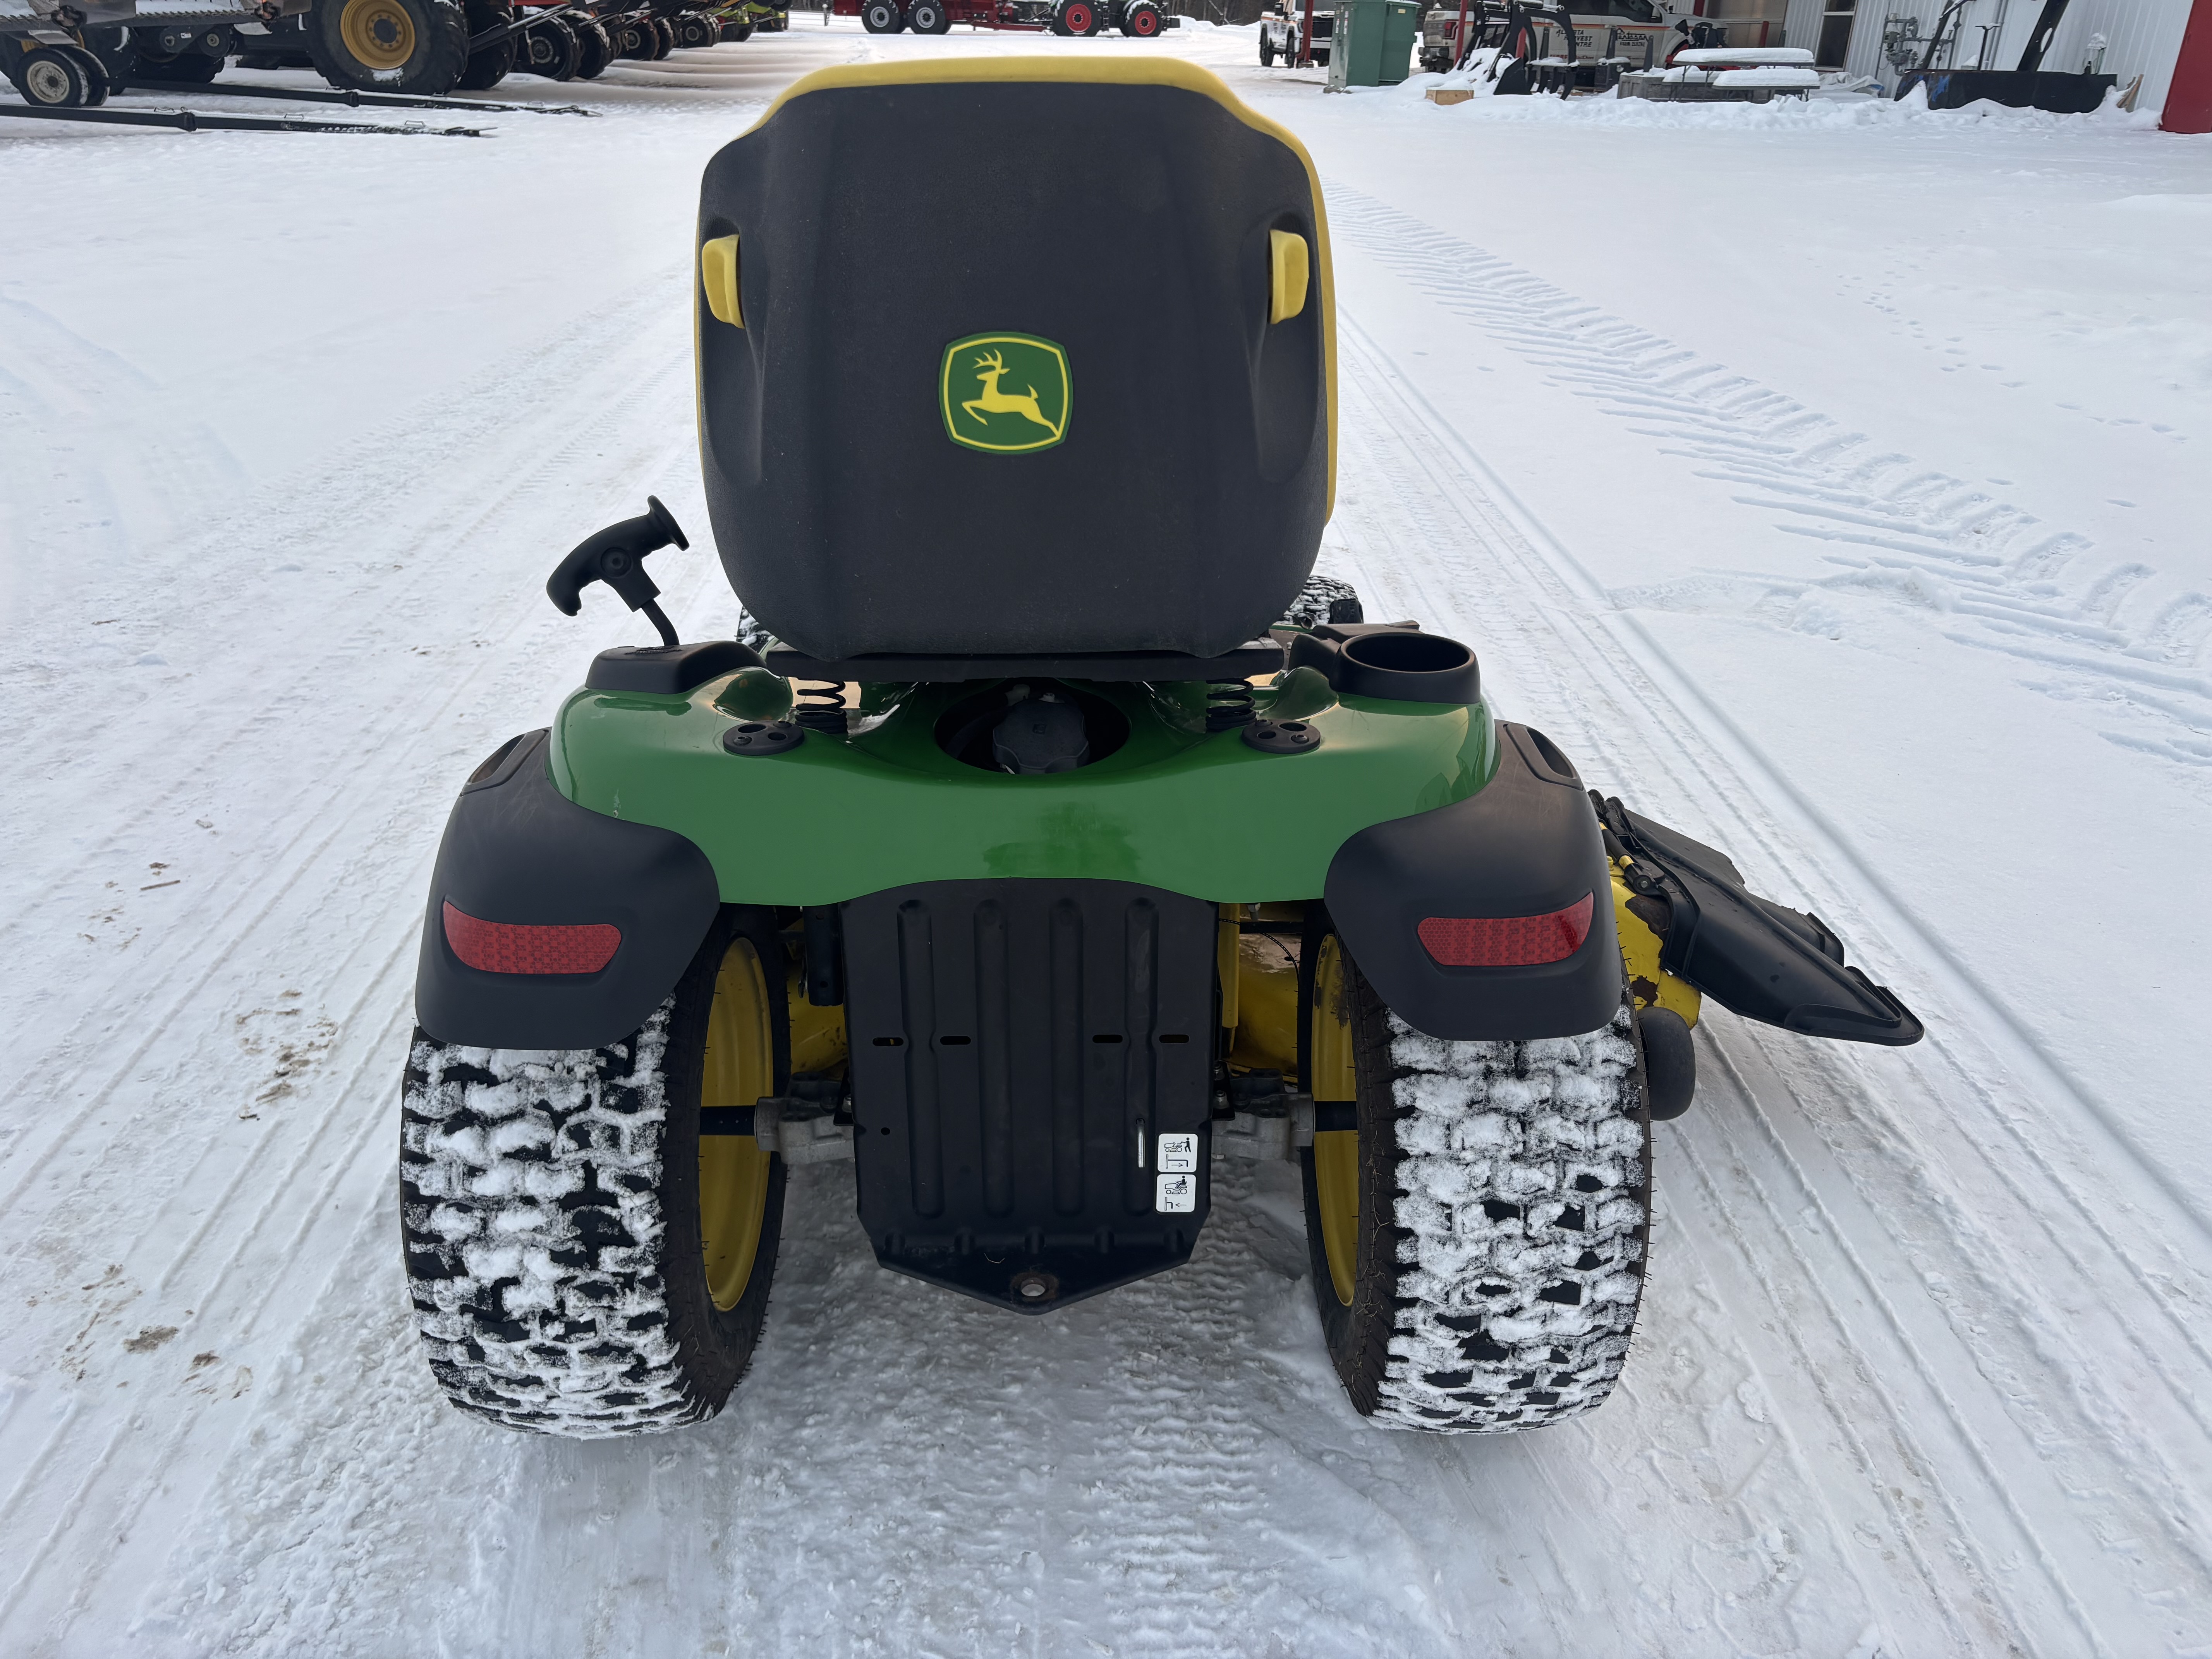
{"x": 389, "y": 46}
{"x": 630, "y": 37}
{"x": 60, "y": 77}
{"x": 1075, "y": 17}
{"x": 664, "y": 35}
{"x": 928, "y": 17}
{"x": 1323, "y": 600}
{"x": 1478, "y": 1238}
{"x": 549, "y": 48}
{"x": 736, "y": 33}
{"x": 582, "y": 1261}
{"x": 694, "y": 31}
{"x": 1140, "y": 20}
{"x": 595, "y": 51}
{"x": 882, "y": 17}
{"x": 488, "y": 65}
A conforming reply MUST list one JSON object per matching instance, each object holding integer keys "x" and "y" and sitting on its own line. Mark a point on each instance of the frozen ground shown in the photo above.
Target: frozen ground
{"x": 1831, "y": 482}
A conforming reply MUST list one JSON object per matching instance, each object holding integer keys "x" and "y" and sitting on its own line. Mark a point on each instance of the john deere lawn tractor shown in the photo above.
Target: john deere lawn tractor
{"x": 1054, "y": 833}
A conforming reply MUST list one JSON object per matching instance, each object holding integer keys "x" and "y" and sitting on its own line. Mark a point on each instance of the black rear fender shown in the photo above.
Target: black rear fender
{"x": 526, "y": 880}
{"x": 1526, "y": 850}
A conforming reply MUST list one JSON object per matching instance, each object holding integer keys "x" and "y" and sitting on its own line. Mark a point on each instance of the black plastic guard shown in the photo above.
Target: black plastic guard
{"x": 1526, "y": 845}
{"x": 1017, "y": 1048}
{"x": 517, "y": 850}
{"x": 1754, "y": 956}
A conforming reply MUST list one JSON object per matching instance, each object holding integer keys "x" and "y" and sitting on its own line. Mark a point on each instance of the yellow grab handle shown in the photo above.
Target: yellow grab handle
{"x": 718, "y": 273}
{"x": 1286, "y": 287}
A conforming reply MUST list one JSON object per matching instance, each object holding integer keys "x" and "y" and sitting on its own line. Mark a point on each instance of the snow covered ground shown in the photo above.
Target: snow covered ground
{"x": 1828, "y": 481}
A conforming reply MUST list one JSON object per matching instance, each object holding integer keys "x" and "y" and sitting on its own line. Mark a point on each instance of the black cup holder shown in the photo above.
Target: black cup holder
{"x": 1397, "y": 664}
{"x": 1399, "y": 653}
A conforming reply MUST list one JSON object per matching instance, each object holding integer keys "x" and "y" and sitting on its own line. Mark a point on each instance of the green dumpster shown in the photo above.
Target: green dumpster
{"x": 1372, "y": 43}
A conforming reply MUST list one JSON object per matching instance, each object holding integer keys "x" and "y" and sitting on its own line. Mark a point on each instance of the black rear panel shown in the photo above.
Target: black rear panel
{"x": 1018, "y": 1047}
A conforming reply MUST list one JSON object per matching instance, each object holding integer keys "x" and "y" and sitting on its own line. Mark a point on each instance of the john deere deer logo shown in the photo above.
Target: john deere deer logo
{"x": 982, "y": 407}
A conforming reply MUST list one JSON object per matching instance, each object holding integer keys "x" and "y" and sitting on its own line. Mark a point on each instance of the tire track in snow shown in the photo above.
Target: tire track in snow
{"x": 293, "y": 873}
{"x": 1900, "y": 531}
{"x": 152, "y": 469}
{"x": 1652, "y": 743}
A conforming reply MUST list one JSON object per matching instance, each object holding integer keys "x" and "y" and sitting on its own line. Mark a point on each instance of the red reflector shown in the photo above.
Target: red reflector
{"x": 510, "y": 947}
{"x": 1508, "y": 941}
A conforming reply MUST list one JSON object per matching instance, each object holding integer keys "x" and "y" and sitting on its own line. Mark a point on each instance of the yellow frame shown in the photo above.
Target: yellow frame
{"x": 739, "y": 1068}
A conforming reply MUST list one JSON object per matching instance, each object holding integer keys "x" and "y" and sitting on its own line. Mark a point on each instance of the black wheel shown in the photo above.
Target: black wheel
{"x": 1323, "y": 600}
{"x": 389, "y": 46}
{"x": 928, "y": 17}
{"x": 693, "y": 31}
{"x": 58, "y": 77}
{"x": 882, "y": 17}
{"x": 594, "y": 50}
{"x": 630, "y": 38}
{"x": 488, "y": 65}
{"x": 1074, "y": 17}
{"x": 94, "y": 70}
{"x": 1141, "y": 20}
{"x": 1479, "y": 1237}
{"x": 1267, "y": 49}
{"x": 738, "y": 32}
{"x": 550, "y": 48}
{"x": 664, "y": 36}
{"x": 582, "y": 1261}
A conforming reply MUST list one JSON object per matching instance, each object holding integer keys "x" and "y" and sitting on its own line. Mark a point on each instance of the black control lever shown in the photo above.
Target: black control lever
{"x": 616, "y": 555}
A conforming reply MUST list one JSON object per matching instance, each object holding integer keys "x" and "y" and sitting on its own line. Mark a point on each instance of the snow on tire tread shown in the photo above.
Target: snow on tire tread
{"x": 1507, "y": 1318}
{"x": 530, "y": 1202}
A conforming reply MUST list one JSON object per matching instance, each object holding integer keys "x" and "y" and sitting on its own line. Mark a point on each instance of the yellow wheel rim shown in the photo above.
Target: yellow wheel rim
{"x": 379, "y": 34}
{"x": 1335, "y": 1152}
{"x": 734, "y": 1171}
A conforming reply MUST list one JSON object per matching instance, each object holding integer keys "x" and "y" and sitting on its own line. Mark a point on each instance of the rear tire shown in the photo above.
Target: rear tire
{"x": 492, "y": 64}
{"x": 694, "y": 31}
{"x": 389, "y": 46}
{"x": 664, "y": 37}
{"x": 928, "y": 17}
{"x": 565, "y": 1276}
{"x": 95, "y": 73}
{"x": 551, "y": 48}
{"x": 1140, "y": 20}
{"x": 882, "y": 17}
{"x": 594, "y": 50}
{"x": 1486, "y": 1277}
{"x": 55, "y": 77}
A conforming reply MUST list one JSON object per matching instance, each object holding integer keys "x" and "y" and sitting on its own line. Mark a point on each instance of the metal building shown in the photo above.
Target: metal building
{"x": 2125, "y": 38}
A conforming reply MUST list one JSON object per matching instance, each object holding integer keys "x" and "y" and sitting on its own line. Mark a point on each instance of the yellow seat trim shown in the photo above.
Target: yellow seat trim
{"x": 1184, "y": 75}
{"x": 1287, "y": 272}
{"x": 718, "y": 276}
